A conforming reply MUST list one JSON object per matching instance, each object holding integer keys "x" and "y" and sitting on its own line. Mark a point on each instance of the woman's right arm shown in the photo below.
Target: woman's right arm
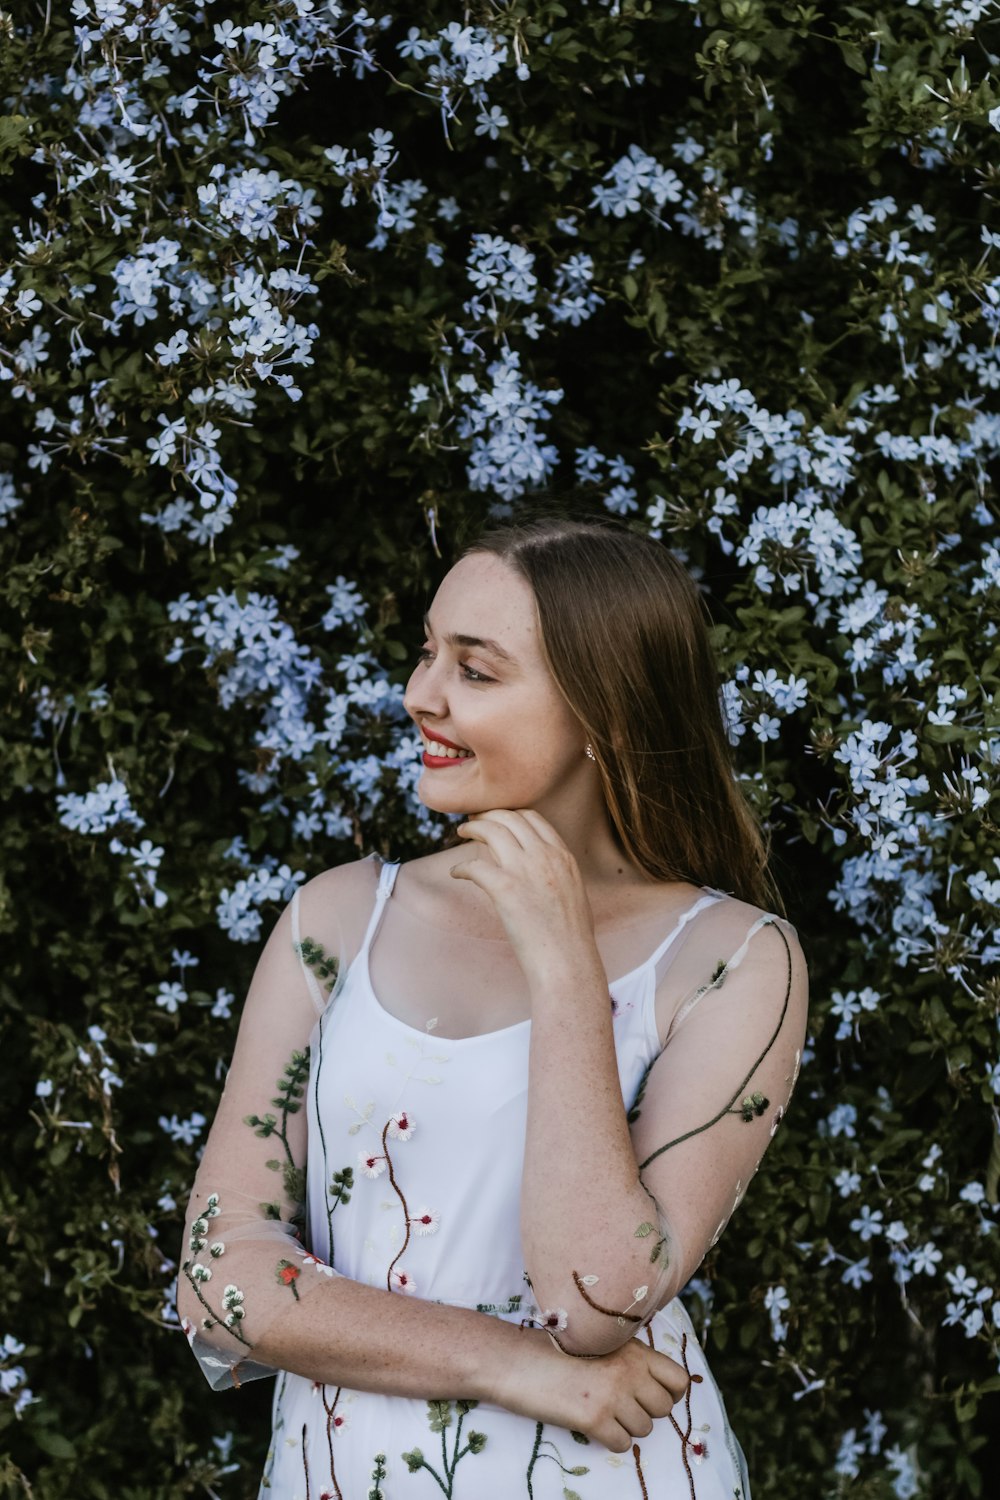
{"x": 253, "y": 1300}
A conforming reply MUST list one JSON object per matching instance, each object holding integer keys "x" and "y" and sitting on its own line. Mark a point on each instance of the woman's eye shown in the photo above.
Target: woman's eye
{"x": 471, "y": 675}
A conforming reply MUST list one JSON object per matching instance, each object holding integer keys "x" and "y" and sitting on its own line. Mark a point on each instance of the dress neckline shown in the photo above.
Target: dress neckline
{"x": 516, "y": 1026}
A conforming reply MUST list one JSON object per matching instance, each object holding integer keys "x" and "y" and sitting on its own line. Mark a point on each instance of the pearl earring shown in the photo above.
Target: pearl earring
{"x": 589, "y": 750}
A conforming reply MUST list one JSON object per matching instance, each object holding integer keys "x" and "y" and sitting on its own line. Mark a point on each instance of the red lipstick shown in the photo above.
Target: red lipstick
{"x": 438, "y": 762}
{"x": 440, "y": 739}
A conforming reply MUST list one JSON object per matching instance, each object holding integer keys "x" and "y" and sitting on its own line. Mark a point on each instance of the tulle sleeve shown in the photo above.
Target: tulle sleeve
{"x": 246, "y": 1260}
{"x": 735, "y": 1010}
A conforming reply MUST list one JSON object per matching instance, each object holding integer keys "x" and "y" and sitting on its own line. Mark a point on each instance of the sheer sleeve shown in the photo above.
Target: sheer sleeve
{"x": 246, "y": 1261}
{"x": 737, "y": 1001}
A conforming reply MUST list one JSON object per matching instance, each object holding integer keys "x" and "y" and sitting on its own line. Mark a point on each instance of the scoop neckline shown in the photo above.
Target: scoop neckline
{"x": 481, "y": 1036}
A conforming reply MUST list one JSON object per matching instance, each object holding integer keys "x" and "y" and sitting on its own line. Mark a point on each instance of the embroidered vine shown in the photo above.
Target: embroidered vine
{"x": 728, "y": 1107}
{"x": 575, "y": 1471}
{"x": 684, "y": 1436}
{"x": 330, "y": 1407}
{"x": 378, "y": 1474}
{"x": 441, "y": 1415}
{"x": 198, "y": 1275}
{"x": 290, "y": 1089}
{"x": 623, "y": 1317}
{"x": 638, "y": 1469}
{"x": 313, "y": 954}
{"x": 401, "y": 1126}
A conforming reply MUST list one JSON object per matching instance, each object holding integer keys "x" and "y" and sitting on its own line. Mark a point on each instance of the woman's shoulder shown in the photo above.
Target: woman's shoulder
{"x": 333, "y": 906}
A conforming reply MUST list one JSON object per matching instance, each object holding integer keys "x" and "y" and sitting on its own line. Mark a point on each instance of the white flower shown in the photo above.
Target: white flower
{"x": 402, "y": 1281}
{"x": 400, "y": 1126}
{"x": 320, "y": 1265}
{"x": 551, "y": 1318}
{"x": 372, "y": 1166}
{"x": 425, "y": 1221}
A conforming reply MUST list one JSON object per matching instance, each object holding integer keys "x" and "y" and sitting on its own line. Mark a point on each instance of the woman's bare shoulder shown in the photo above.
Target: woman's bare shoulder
{"x": 335, "y": 904}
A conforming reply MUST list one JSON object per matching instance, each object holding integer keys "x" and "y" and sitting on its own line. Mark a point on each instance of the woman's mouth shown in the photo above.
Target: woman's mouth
{"x": 436, "y": 755}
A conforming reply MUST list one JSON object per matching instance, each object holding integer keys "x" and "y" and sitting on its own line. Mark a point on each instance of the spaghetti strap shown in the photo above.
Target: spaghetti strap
{"x": 316, "y": 994}
{"x": 658, "y": 960}
{"x": 386, "y": 881}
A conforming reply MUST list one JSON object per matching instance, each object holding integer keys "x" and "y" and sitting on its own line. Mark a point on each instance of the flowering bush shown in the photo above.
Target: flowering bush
{"x": 290, "y": 303}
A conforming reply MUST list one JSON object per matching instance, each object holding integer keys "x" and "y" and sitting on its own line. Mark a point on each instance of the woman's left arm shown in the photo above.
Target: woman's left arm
{"x": 617, "y": 1216}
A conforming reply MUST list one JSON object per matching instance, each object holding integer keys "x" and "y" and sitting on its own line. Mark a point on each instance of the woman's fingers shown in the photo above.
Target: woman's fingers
{"x": 655, "y": 1399}
{"x": 541, "y": 826}
{"x": 669, "y": 1374}
{"x": 497, "y": 836}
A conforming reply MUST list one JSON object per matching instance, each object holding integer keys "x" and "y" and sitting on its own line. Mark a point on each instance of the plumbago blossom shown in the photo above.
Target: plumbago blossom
{"x": 325, "y": 730}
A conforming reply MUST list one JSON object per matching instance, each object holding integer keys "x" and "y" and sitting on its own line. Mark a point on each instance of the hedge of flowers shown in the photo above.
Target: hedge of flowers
{"x": 293, "y": 300}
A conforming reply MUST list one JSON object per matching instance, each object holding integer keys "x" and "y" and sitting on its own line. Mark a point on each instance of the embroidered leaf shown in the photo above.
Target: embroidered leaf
{"x": 512, "y": 1305}
{"x": 636, "y": 1109}
{"x": 295, "y": 1182}
{"x": 590, "y": 1280}
{"x": 579, "y": 1437}
{"x": 644, "y": 1230}
{"x": 753, "y": 1104}
{"x": 313, "y": 954}
{"x": 413, "y": 1460}
{"x": 439, "y": 1415}
{"x": 477, "y": 1442}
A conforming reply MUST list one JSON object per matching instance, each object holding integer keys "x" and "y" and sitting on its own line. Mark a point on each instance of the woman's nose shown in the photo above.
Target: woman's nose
{"x": 425, "y": 693}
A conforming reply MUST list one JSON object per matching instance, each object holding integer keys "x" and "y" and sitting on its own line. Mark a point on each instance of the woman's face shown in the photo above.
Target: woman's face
{"x": 497, "y": 700}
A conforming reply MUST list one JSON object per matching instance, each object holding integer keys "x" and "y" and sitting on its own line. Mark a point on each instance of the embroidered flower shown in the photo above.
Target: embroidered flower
{"x": 232, "y": 1301}
{"x": 287, "y": 1272}
{"x": 200, "y": 1272}
{"x": 400, "y": 1126}
{"x": 403, "y": 1282}
{"x": 425, "y": 1221}
{"x": 554, "y": 1319}
{"x": 321, "y": 1265}
{"x": 216, "y": 1248}
{"x": 372, "y": 1165}
{"x": 699, "y": 1449}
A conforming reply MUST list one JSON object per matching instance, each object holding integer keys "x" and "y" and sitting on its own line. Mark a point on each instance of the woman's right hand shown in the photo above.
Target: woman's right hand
{"x": 612, "y": 1399}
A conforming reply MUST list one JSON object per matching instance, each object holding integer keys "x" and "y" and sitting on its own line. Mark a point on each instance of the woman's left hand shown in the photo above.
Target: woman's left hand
{"x": 535, "y": 884}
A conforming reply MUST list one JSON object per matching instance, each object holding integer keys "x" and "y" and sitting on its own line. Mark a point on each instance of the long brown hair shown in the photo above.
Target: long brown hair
{"x": 624, "y": 634}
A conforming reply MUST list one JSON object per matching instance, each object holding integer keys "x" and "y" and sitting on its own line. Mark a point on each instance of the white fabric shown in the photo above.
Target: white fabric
{"x": 436, "y": 1115}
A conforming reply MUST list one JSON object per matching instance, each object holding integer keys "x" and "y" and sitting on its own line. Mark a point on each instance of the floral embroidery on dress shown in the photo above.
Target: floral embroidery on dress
{"x": 438, "y": 1165}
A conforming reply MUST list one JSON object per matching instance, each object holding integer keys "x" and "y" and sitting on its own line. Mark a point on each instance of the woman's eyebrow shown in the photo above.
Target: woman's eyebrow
{"x": 474, "y": 640}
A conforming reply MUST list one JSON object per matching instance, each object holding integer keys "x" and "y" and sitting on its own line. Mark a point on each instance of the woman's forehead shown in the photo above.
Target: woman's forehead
{"x": 483, "y": 596}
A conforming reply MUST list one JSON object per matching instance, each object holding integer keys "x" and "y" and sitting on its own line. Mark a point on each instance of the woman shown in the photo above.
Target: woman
{"x": 509, "y": 1168}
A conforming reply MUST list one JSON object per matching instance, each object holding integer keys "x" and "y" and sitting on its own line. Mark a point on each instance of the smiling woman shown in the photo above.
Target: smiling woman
{"x": 507, "y": 1135}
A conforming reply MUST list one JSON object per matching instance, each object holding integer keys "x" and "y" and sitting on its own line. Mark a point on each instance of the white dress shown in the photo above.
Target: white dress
{"x": 429, "y": 1133}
